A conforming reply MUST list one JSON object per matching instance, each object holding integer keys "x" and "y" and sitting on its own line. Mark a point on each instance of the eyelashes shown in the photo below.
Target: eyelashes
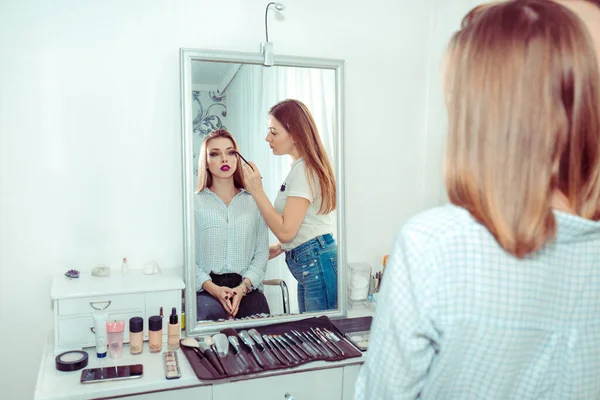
{"x": 231, "y": 153}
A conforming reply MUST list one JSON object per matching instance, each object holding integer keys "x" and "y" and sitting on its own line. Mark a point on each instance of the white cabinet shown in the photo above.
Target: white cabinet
{"x": 122, "y": 296}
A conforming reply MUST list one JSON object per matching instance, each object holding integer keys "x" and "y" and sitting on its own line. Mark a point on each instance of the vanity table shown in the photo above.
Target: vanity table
{"x": 316, "y": 380}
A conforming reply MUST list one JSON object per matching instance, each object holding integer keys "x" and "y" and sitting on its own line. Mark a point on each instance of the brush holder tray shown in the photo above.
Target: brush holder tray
{"x": 287, "y": 345}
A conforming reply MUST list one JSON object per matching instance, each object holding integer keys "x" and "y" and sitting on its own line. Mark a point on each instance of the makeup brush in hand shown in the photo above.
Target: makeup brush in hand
{"x": 242, "y": 157}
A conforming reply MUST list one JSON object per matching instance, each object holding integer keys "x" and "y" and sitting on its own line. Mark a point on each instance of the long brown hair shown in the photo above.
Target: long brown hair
{"x": 205, "y": 178}
{"x": 298, "y": 121}
{"x": 523, "y": 98}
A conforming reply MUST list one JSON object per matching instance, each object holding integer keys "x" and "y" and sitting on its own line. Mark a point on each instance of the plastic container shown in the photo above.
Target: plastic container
{"x": 114, "y": 332}
{"x": 358, "y": 282}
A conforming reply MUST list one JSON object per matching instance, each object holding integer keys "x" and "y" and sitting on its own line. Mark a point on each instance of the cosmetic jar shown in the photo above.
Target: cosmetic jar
{"x": 136, "y": 335}
{"x": 71, "y": 360}
{"x": 155, "y": 334}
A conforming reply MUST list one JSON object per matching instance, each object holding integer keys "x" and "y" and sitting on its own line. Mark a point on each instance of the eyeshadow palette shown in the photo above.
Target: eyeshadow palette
{"x": 360, "y": 339}
{"x": 171, "y": 364}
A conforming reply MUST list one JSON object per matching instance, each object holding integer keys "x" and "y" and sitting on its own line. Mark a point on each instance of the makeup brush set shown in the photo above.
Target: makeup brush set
{"x": 235, "y": 353}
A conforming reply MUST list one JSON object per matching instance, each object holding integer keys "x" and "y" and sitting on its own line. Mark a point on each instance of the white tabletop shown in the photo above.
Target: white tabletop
{"x": 54, "y": 384}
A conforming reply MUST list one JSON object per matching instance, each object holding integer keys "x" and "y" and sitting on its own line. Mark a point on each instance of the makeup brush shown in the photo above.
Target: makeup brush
{"x": 242, "y": 157}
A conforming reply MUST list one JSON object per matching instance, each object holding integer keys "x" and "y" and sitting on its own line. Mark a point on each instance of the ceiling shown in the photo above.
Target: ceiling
{"x": 213, "y": 75}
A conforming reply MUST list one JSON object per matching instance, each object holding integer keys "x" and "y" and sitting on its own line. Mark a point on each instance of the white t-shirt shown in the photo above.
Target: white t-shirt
{"x": 296, "y": 185}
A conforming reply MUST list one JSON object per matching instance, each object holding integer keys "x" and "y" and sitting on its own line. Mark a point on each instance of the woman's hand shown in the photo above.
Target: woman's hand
{"x": 275, "y": 250}
{"x": 239, "y": 292}
{"x": 252, "y": 179}
{"x": 222, "y": 293}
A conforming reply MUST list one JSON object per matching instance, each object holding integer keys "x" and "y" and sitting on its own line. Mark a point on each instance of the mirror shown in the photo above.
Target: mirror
{"x": 234, "y": 91}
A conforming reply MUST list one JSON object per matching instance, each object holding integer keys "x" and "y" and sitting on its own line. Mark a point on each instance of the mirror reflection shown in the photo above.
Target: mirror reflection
{"x": 265, "y": 230}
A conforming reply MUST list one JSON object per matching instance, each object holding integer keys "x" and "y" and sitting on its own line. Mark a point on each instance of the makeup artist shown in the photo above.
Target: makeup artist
{"x": 232, "y": 243}
{"x": 301, "y": 217}
{"x": 496, "y": 296}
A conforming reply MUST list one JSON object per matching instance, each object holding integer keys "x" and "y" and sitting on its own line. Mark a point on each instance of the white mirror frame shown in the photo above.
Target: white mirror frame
{"x": 187, "y": 57}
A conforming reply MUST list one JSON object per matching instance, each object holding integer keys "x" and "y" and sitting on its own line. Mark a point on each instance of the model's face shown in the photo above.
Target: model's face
{"x": 221, "y": 157}
{"x": 279, "y": 139}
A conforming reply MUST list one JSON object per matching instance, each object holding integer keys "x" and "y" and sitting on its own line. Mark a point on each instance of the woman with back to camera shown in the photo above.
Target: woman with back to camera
{"x": 496, "y": 296}
{"x": 232, "y": 242}
{"x": 302, "y": 217}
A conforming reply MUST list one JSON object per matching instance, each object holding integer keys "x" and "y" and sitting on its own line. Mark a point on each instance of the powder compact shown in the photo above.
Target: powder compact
{"x": 71, "y": 360}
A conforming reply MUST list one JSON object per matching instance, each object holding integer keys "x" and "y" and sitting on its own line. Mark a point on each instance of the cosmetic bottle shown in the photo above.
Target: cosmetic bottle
{"x": 124, "y": 266}
{"x": 115, "y": 332}
{"x": 100, "y": 333}
{"x": 136, "y": 335}
{"x": 155, "y": 334}
{"x": 174, "y": 333}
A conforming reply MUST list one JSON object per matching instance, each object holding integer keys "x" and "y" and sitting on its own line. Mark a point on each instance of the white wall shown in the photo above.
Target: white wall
{"x": 90, "y": 167}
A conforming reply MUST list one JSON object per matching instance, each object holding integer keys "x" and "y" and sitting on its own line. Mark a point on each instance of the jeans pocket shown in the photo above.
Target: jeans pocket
{"x": 304, "y": 257}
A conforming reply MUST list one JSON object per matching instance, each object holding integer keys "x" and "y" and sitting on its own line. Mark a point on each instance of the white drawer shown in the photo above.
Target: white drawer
{"x": 76, "y": 332}
{"x": 87, "y": 305}
{"x": 201, "y": 392}
{"x": 325, "y": 384}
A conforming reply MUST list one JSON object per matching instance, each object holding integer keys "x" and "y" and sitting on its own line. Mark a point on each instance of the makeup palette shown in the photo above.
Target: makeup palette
{"x": 71, "y": 360}
{"x": 171, "y": 365}
{"x": 360, "y": 339}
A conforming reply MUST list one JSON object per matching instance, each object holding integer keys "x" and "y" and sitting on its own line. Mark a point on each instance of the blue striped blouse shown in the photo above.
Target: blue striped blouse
{"x": 230, "y": 239}
{"x": 459, "y": 318}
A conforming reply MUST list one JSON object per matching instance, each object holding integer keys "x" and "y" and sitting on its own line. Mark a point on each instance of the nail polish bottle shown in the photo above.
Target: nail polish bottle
{"x": 155, "y": 334}
{"x": 174, "y": 333}
{"x": 136, "y": 335}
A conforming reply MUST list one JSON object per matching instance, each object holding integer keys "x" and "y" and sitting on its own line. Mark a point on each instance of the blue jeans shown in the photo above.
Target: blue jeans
{"x": 314, "y": 265}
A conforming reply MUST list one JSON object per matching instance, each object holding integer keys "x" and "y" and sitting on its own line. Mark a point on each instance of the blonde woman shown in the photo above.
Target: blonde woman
{"x": 232, "y": 242}
{"x": 497, "y": 296}
{"x": 301, "y": 217}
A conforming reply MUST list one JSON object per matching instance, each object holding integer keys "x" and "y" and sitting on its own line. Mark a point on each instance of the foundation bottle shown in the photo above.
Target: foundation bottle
{"x": 174, "y": 332}
{"x": 155, "y": 334}
{"x": 136, "y": 335}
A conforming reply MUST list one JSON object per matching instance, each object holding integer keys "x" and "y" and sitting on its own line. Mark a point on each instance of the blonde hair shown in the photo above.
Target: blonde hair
{"x": 523, "y": 97}
{"x": 204, "y": 176}
{"x": 298, "y": 121}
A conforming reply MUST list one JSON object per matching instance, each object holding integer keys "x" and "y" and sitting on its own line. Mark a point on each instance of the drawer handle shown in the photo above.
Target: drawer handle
{"x": 289, "y": 396}
{"x": 93, "y": 304}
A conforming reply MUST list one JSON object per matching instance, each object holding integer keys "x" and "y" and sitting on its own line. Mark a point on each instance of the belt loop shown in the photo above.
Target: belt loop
{"x": 321, "y": 241}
